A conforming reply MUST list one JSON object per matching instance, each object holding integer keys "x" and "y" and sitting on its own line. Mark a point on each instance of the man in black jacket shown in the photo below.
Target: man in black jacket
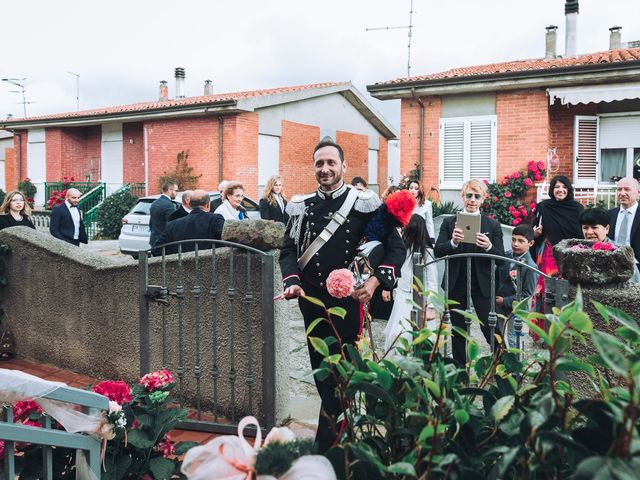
{"x": 306, "y": 264}
{"x": 160, "y": 210}
{"x": 450, "y": 242}
{"x": 184, "y": 209}
{"x": 66, "y": 220}
{"x": 199, "y": 224}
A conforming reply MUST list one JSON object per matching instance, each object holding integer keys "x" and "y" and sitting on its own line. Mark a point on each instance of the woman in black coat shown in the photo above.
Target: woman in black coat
{"x": 273, "y": 202}
{"x": 15, "y": 211}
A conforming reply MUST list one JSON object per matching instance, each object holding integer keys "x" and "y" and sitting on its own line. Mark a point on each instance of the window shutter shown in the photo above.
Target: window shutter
{"x": 480, "y": 149}
{"x": 453, "y": 154}
{"x": 585, "y": 148}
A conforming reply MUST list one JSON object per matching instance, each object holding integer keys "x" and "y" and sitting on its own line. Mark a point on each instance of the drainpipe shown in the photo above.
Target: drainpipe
{"x": 220, "y": 131}
{"x": 19, "y": 155}
{"x": 421, "y": 154}
{"x": 146, "y": 161}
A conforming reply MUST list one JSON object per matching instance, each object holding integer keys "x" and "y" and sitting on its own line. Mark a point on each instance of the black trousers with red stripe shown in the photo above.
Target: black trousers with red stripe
{"x": 348, "y": 328}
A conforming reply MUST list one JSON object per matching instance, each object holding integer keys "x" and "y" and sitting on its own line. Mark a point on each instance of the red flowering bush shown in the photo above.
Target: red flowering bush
{"x": 29, "y": 190}
{"x": 505, "y": 202}
{"x": 116, "y": 391}
{"x": 23, "y": 409}
{"x": 58, "y": 197}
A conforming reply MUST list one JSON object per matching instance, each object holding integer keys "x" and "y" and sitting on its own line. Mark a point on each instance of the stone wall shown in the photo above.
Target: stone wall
{"x": 79, "y": 311}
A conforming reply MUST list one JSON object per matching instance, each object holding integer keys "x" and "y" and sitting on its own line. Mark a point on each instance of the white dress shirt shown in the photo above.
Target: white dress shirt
{"x": 75, "y": 216}
{"x": 632, "y": 214}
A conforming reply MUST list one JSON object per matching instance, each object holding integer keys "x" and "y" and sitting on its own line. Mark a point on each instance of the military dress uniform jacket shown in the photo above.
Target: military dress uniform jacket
{"x": 309, "y": 215}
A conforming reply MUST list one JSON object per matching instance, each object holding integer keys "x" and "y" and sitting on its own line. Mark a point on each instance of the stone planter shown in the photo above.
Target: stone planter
{"x": 593, "y": 267}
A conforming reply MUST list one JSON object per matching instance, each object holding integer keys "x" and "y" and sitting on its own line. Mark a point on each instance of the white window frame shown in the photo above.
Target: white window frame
{"x": 466, "y": 168}
{"x": 587, "y": 182}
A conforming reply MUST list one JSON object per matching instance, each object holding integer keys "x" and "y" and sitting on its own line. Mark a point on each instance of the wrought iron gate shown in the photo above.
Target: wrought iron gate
{"x": 207, "y": 314}
{"x": 556, "y": 290}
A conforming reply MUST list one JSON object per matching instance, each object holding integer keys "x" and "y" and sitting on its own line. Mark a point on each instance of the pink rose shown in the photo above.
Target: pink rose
{"x": 340, "y": 283}
{"x": 511, "y": 208}
{"x": 528, "y": 182}
{"x": 486, "y": 182}
{"x": 532, "y": 167}
{"x": 507, "y": 194}
{"x": 495, "y": 199}
{"x": 515, "y": 175}
{"x": 516, "y": 213}
{"x": 532, "y": 205}
{"x": 537, "y": 177}
{"x": 540, "y": 165}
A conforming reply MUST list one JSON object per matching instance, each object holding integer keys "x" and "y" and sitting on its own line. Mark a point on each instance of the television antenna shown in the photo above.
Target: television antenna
{"x": 409, "y": 34}
{"x": 18, "y": 83}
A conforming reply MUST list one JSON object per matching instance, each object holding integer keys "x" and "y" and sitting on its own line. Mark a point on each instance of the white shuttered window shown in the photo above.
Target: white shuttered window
{"x": 585, "y": 148}
{"x": 467, "y": 150}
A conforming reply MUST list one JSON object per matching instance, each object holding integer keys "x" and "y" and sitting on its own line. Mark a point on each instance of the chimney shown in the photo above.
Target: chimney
{"x": 571, "y": 34}
{"x": 550, "y": 42}
{"x": 615, "y": 38}
{"x": 179, "y": 74}
{"x": 164, "y": 91}
{"x": 208, "y": 87}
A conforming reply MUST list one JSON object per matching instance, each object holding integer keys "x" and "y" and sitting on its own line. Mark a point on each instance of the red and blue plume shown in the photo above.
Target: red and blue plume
{"x": 401, "y": 204}
{"x": 395, "y": 212}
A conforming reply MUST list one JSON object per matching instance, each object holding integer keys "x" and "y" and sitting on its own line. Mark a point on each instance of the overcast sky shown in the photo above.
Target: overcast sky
{"x": 122, "y": 49}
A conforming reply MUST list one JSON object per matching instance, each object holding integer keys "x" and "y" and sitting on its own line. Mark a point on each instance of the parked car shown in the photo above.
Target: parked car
{"x": 135, "y": 232}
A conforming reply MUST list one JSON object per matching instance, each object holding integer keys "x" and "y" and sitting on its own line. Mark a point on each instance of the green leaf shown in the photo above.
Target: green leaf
{"x": 608, "y": 348}
{"x": 424, "y": 335}
{"x": 374, "y": 391}
{"x": 541, "y": 333}
{"x": 573, "y": 365}
{"x": 319, "y": 345}
{"x": 139, "y": 439}
{"x": 402, "y": 468}
{"x": 333, "y": 359}
{"x": 338, "y": 312}
{"x": 383, "y": 377}
{"x": 468, "y": 315}
{"x": 184, "y": 447}
{"x": 314, "y": 300}
{"x": 502, "y": 406}
{"x": 433, "y": 387}
{"x": 473, "y": 350}
{"x": 162, "y": 468}
{"x": 461, "y": 416}
{"x": 313, "y": 325}
{"x": 580, "y": 321}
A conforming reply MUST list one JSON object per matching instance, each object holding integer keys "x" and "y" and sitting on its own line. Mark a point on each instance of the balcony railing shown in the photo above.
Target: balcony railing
{"x": 52, "y": 438}
{"x": 597, "y": 196}
{"x": 84, "y": 187}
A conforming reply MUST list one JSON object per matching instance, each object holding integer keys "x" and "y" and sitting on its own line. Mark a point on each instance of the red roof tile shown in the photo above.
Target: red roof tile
{"x": 609, "y": 56}
{"x": 179, "y": 102}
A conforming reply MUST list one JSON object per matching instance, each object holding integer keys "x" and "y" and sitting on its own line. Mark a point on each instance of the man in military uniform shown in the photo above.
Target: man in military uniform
{"x": 337, "y": 214}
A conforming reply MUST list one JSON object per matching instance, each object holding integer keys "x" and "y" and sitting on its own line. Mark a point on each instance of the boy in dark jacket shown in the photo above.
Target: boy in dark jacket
{"x": 512, "y": 275}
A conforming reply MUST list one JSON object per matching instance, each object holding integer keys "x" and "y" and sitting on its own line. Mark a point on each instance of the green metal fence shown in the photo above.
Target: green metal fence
{"x": 84, "y": 187}
{"x": 91, "y": 213}
{"x": 50, "y": 438}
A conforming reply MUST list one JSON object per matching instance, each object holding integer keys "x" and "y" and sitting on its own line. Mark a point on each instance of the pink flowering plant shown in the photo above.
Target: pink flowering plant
{"x": 136, "y": 426}
{"x": 59, "y": 196}
{"x": 506, "y": 199}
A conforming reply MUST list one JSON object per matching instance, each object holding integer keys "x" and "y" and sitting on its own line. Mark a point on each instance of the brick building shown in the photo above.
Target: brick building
{"x": 488, "y": 121}
{"x": 246, "y": 136}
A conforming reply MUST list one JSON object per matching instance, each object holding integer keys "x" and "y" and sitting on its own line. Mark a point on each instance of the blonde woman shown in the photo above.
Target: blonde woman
{"x": 423, "y": 206}
{"x": 15, "y": 211}
{"x": 273, "y": 201}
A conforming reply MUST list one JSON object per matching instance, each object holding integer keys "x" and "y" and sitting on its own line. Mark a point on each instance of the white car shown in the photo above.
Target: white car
{"x": 134, "y": 235}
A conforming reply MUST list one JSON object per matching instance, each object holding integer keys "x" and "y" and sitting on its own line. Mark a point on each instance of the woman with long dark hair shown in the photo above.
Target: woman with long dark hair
{"x": 557, "y": 219}
{"x": 417, "y": 240}
{"x": 423, "y": 206}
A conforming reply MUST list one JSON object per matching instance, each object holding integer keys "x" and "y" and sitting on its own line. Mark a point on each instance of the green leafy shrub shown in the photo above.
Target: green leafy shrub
{"x": 111, "y": 211}
{"x": 422, "y": 415}
{"x": 3, "y": 194}
{"x": 29, "y": 190}
{"x": 182, "y": 174}
{"x": 445, "y": 208}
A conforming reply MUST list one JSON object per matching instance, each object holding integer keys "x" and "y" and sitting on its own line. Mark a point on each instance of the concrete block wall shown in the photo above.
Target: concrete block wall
{"x": 78, "y": 311}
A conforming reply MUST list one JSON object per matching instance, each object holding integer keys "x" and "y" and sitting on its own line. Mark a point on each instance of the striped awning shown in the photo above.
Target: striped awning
{"x": 594, "y": 93}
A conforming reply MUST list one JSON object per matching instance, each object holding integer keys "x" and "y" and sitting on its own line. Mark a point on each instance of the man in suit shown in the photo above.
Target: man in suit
{"x": 199, "y": 224}
{"x": 450, "y": 242}
{"x": 624, "y": 220}
{"x": 184, "y": 209}
{"x": 161, "y": 209}
{"x": 66, "y": 220}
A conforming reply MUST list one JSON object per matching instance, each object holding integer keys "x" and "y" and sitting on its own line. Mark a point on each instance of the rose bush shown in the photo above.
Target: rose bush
{"x": 506, "y": 199}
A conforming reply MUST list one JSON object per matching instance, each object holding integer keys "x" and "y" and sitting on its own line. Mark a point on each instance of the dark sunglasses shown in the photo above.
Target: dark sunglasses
{"x": 469, "y": 196}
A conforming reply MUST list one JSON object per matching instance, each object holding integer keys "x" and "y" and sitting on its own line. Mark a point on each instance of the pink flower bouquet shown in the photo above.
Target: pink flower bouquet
{"x": 340, "y": 283}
